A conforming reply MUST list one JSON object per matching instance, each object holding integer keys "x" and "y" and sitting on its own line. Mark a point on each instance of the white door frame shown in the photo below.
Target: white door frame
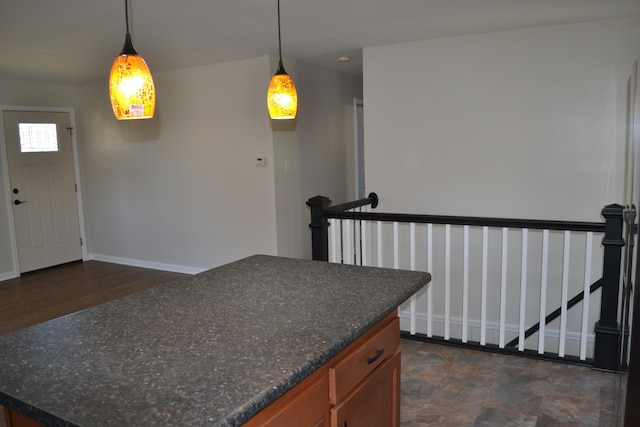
{"x": 356, "y": 134}
{"x": 7, "y": 184}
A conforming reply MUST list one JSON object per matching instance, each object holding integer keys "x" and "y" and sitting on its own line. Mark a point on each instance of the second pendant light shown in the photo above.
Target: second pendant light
{"x": 282, "y": 98}
{"x": 131, "y": 87}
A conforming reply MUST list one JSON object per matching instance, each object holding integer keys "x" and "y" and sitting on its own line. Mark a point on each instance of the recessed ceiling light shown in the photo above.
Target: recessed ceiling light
{"x": 343, "y": 59}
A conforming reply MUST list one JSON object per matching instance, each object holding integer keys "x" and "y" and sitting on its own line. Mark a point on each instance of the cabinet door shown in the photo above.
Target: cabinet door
{"x": 375, "y": 402}
{"x": 14, "y": 419}
{"x": 306, "y": 405}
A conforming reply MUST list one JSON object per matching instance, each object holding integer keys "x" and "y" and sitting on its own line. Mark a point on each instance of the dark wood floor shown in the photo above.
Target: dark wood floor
{"x": 441, "y": 386}
{"x": 46, "y": 294}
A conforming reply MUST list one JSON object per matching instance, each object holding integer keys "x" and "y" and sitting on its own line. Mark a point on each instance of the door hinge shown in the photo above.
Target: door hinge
{"x": 76, "y": 187}
{"x": 81, "y": 243}
{"x": 70, "y": 129}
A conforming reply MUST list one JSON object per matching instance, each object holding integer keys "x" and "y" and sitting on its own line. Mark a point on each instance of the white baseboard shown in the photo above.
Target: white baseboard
{"x": 572, "y": 339}
{"x": 147, "y": 264}
{"x": 9, "y": 275}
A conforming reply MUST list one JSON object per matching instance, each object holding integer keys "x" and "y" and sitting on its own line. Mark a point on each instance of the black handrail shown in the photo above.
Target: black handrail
{"x": 324, "y": 210}
{"x": 596, "y": 227}
{"x": 372, "y": 200}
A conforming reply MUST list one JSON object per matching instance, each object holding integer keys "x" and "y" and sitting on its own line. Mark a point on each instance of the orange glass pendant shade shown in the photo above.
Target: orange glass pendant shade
{"x": 282, "y": 98}
{"x": 131, "y": 88}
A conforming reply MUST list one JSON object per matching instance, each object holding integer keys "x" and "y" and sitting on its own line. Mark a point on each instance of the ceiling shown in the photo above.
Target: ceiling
{"x": 75, "y": 41}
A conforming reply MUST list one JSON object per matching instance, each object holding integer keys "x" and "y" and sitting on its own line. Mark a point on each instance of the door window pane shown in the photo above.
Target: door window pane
{"x": 38, "y": 137}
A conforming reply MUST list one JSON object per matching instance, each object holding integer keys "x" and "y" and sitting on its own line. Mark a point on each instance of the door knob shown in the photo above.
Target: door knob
{"x": 19, "y": 202}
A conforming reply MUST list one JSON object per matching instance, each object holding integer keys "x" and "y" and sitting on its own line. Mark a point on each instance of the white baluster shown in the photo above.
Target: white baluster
{"x": 333, "y": 240}
{"x": 523, "y": 288}
{"x": 465, "y": 285}
{"x": 347, "y": 244}
{"x": 396, "y": 248}
{"x": 365, "y": 242}
{"x": 587, "y": 294}
{"x": 430, "y": 287}
{"x": 379, "y": 243}
{"x": 565, "y": 288}
{"x": 503, "y": 286}
{"x": 483, "y": 298}
{"x": 543, "y": 290}
{"x": 447, "y": 282}
{"x": 357, "y": 250}
{"x": 412, "y": 303}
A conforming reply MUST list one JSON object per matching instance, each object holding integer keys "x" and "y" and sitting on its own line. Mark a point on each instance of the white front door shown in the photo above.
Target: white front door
{"x": 43, "y": 188}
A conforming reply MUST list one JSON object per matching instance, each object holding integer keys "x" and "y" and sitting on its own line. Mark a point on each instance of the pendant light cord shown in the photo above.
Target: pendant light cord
{"x": 128, "y": 48}
{"x": 280, "y": 69}
{"x": 279, "y": 37}
{"x": 126, "y": 13}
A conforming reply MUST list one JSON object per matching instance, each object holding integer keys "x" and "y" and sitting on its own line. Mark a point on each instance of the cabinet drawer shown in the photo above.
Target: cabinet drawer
{"x": 375, "y": 402}
{"x": 358, "y": 363}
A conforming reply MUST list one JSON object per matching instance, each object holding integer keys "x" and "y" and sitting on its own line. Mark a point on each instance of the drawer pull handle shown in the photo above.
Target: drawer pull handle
{"x": 375, "y": 357}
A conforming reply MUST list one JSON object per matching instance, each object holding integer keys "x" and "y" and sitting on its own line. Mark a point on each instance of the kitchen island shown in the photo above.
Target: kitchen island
{"x": 213, "y": 349}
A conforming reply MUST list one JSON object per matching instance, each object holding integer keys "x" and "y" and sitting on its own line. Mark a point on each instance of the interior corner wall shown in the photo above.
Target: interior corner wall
{"x": 527, "y": 123}
{"x": 183, "y": 190}
{"x": 25, "y": 93}
{"x": 314, "y": 152}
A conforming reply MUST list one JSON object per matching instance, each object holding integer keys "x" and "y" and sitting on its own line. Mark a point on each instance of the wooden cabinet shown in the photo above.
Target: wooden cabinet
{"x": 355, "y": 363}
{"x": 364, "y": 383}
{"x": 358, "y": 387}
{"x": 305, "y": 405}
{"x": 373, "y": 402}
{"x": 14, "y": 419}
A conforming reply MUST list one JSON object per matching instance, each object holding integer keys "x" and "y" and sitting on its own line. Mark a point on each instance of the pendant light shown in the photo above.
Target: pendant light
{"x": 282, "y": 99}
{"x": 131, "y": 88}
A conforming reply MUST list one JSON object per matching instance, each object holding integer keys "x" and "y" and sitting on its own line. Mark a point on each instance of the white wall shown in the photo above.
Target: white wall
{"x": 318, "y": 149}
{"x": 23, "y": 93}
{"x": 182, "y": 191}
{"x": 527, "y": 123}
{"x": 517, "y": 124}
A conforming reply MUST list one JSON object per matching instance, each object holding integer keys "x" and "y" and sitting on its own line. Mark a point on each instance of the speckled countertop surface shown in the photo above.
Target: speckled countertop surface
{"x": 210, "y": 350}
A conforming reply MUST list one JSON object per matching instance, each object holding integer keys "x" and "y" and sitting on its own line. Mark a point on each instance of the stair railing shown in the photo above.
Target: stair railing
{"x": 483, "y": 284}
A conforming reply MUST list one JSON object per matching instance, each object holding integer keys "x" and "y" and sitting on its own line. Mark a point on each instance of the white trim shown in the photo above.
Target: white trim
{"x": 76, "y": 172}
{"x": 404, "y": 315}
{"x": 356, "y": 102}
{"x": 5, "y": 177}
{"x": 7, "y": 191}
{"x": 9, "y": 275}
{"x": 147, "y": 264}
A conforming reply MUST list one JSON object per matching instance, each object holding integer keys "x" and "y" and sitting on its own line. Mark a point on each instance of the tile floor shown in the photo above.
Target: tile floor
{"x": 448, "y": 386}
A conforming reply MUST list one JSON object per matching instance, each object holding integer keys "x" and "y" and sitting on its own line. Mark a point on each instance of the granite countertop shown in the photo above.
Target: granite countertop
{"x": 209, "y": 350}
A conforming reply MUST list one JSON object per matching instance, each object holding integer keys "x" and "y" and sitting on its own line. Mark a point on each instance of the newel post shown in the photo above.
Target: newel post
{"x": 608, "y": 334}
{"x": 319, "y": 228}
